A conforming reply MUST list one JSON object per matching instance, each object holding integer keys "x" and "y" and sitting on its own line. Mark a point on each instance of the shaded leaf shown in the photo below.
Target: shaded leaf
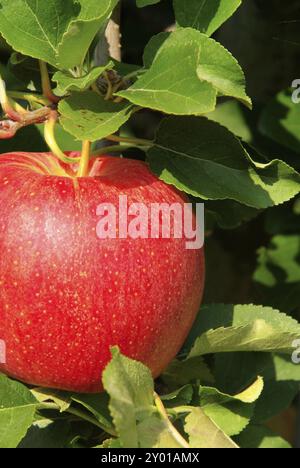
{"x": 144, "y": 3}
{"x": 183, "y": 372}
{"x": 47, "y": 434}
{"x": 213, "y": 165}
{"x": 181, "y": 396}
{"x": 205, "y": 15}
{"x": 281, "y": 379}
{"x": 67, "y": 82}
{"x": 232, "y": 115}
{"x": 280, "y": 121}
{"x": 88, "y": 116}
{"x": 260, "y": 437}
{"x": 97, "y": 404}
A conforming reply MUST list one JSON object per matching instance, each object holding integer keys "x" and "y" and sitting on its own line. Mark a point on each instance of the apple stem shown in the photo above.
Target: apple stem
{"x": 46, "y": 84}
{"x": 52, "y": 143}
{"x": 85, "y": 159}
{"x": 163, "y": 413}
{"x": 133, "y": 141}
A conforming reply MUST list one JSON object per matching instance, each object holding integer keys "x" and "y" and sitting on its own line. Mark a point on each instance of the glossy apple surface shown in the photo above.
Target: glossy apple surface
{"x": 67, "y": 296}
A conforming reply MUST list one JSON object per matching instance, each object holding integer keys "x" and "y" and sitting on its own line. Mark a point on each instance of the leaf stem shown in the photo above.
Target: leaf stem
{"x": 90, "y": 419}
{"x": 46, "y": 84}
{"x": 6, "y": 104}
{"x": 133, "y": 74}
{"x": 162, "y": 411}
{"x": 133, "y": 141}
{"x": 78, "y": 414}
{"x": 182, "y": 409}
{"x": 51, "y": 141}
{"x": 85, "y": 159}
{"x": 29, "y": 97}
{"x": 109, "y": 91}
{"x": 113, "y": 149}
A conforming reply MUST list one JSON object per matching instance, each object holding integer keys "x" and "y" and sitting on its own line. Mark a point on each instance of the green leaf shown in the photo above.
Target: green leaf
{"x": 77, "y": 39}
{"x": 144, "y": 3}
{"x": 235, "y": 371}
{"x": 280, "y": 260}
{"x": 36, "y": 28}
{"x": 183, "y": 372}
{"x": 230, "y": 413}
{"x": 232, "y": 328}
{"x": 180, "y": 396}
{"x": 61, "y": 399}
{"x": 17, "y": 410}
{"x": 277, "y": 275}
{"x": 261, "y": 437}
{"x": 233, "y": 115}
{"x": 281, "y": 379}
{"x": 218, "y": 67}
{"x": 88, "y": 116}
{"x": 282, "y": 384}
{"x": 110, "y": 444}
{"x": 66, "y": 82}
{"x": 230, "y": 214}
{"x": 59, "y": 33}
{"x": 154, "y": 433}
{"x": 97, "y": 404}
{"x": 205, "y": 160}
{"x": 130, "y": 387}
{"x": 171, "y": 84}
{"x": 47, "y": 434}
{"x": 205, "y": 15}
{"x": 204, "y": 433}
{"x": 65, "y": 141}
{"x": 280, "y": 121}
{"x": 187, "y": 70}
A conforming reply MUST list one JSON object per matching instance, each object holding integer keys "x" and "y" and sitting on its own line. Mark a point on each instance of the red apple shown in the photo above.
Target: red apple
{"x": 67, "y": 296}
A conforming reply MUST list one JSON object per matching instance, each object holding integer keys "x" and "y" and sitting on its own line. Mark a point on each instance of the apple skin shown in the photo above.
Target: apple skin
{"x": 67, "y": 296}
